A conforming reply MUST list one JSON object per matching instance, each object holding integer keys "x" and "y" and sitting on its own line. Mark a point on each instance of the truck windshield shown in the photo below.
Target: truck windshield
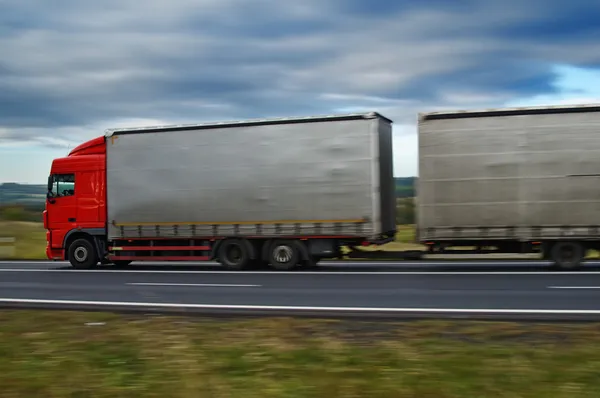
{"x": 62, "y": 185}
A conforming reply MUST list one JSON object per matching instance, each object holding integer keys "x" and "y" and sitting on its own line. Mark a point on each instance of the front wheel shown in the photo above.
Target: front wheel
{"x": 82, "y": 254}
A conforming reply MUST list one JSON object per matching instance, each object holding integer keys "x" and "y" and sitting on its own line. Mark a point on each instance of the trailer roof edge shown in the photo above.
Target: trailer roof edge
{"x": 514, "y": 111}
{"x": 249, "y": 122}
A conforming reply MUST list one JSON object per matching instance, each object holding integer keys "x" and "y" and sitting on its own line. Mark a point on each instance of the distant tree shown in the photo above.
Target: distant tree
{"x": 405, "y": 211}
{"x": 405, "y": 187}
{"x": 20, "y": 213}
{"x": 13, "y": 213}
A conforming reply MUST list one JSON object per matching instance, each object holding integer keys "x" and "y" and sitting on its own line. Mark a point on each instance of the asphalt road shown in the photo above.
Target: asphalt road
{"x": 364, "y": 289}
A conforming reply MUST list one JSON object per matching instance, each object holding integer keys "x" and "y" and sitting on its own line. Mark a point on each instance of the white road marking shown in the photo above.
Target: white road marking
{"x": 340, "y": 272}
{"x": 190, "y": 284}
{"x": 301, "y": 308}
{"x": 573, "y": 287}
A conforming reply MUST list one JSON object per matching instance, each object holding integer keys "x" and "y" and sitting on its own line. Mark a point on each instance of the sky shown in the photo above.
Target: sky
{"x": 69, "y": 69}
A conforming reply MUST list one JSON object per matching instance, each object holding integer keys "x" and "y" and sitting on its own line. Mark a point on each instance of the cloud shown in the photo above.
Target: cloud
{"x": 71, "y": 68}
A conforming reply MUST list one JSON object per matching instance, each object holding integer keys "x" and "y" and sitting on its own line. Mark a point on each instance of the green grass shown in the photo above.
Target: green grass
{"x": 405, "y": 240}
{"x": 55, "y": 354}
{"x": 30, "y": 239}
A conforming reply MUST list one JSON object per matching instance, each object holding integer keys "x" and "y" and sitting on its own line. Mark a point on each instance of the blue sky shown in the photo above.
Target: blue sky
{"x": 71, "y": 68}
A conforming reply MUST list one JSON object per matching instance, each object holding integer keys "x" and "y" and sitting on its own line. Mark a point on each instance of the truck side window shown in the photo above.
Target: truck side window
{"x": 63, "y": 185}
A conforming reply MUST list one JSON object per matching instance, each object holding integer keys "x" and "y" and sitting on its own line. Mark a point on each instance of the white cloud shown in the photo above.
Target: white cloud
{"x": 71, "y": 69}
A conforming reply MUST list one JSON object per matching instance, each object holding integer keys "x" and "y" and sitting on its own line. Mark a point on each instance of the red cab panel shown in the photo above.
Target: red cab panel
{"x": 77, "y": 197}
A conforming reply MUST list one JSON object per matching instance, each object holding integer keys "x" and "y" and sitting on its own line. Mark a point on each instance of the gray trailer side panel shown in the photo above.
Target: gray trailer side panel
{"x": 272, "y": 179}
{"x": 510, "y": 176}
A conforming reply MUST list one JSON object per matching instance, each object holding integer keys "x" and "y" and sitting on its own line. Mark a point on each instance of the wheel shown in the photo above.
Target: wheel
{"x": 121, "y": 263}
{"x": 567, "y": 255}
{"x": 233, "y": 255}
{"x": 82, "y": 254}
{"x": 284, "y": 255}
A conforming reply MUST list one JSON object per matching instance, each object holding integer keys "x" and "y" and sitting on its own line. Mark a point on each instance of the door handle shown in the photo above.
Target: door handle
{"x": 72, "y": 219}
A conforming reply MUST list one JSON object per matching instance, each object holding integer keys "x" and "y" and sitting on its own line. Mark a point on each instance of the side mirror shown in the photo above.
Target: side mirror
{"x": 50, "y": 197}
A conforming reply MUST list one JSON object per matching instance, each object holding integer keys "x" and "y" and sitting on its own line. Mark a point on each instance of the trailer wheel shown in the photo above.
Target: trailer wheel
{"x": 567, "y": 255}
{"x": 233, "y": 255}
{"x": 284, "y": 255}
{"x": 82, "y": 254}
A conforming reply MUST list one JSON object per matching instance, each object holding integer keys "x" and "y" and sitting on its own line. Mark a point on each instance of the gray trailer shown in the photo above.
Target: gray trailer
{"x": 514, "y": 180}
{"x": 318, "y": 182}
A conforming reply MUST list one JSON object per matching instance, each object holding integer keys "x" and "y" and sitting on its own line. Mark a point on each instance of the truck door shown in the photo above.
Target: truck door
{"x": 61, "y": 206}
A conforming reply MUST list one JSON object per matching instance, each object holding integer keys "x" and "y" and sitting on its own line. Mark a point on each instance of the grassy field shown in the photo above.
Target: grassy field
{"x": 30, "y": 239}
{"x": 62, "y": 354}
{"x": 405, "y": 240}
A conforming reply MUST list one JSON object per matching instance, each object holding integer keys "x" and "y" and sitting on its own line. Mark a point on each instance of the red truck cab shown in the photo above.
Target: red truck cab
{"x": 76, "y": 199}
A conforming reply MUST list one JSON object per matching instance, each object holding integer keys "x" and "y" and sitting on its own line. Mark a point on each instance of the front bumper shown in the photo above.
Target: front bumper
{"x": 55, "y": 254}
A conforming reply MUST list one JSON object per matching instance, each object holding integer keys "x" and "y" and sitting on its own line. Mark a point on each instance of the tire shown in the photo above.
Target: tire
{"x": 567, "y": 255}
{"x": 234, "y": 255}
{"x": 284, "y": 255}
{"x": 82, "y": 254}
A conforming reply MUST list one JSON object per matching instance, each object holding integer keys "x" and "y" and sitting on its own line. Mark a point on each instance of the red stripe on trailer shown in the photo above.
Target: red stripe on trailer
{"x": 243, "y": 237}
{"x": 160, "y": 258}
{"x": 140, "y": 248}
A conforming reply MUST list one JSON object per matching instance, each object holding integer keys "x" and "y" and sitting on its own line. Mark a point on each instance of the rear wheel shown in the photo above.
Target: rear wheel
{"x": 284, "y": 255}
{"x": 82, "y": 254}
{"x": 567, "y": 255}
{"x": 234, "y": 255}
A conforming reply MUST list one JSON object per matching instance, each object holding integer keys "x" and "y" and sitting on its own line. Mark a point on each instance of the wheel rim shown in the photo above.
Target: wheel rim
{"x": 283, "y": 254}
{"x": 568, "y": 255}
{"x": 80, "y": 254}
{"x": 234, "y": 254}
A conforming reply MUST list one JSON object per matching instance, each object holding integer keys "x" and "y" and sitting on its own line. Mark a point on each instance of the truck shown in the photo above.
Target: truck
{"x": 286, "y": 193}
{"x": 281, "y": 193}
